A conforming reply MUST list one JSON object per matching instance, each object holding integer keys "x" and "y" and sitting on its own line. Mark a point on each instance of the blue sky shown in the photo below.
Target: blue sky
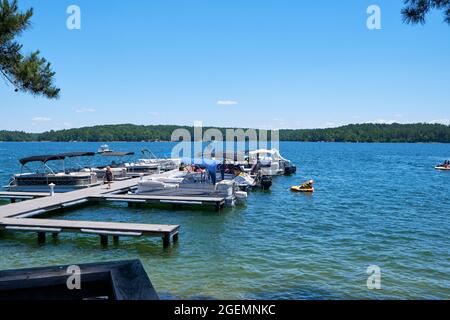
{"x": 264, "y": 64}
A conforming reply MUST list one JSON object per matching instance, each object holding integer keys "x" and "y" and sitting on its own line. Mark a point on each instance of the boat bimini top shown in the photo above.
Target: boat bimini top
{"x": 60, "y": 156}
{"x": 52, "y": 157}
{"x": 274, "y": 153}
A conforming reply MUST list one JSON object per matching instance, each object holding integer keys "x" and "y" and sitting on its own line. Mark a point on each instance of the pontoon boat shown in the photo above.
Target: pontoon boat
{"x": 64, "y": 180}
{"x": 200, "y": 182}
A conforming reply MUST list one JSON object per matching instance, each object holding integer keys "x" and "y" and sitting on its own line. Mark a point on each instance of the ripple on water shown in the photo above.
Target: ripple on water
{"x": 370, "y": 207}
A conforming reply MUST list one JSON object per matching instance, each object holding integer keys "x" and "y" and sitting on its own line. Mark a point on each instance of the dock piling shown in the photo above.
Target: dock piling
{"x": 166, "y": 241}
{"x": 41, "y": 237}
{"x": 103, "y": 240}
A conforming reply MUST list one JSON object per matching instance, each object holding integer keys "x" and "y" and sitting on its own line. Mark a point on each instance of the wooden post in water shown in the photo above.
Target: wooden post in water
{"x": 175, "y": 238}
{"x": 41, "y": 237}
{"x": 166, "y": 240}
{"x": 103, "y": 240}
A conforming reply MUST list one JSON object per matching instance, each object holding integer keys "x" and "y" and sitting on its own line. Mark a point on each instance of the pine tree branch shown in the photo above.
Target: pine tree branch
{"x": 30, "y": 73}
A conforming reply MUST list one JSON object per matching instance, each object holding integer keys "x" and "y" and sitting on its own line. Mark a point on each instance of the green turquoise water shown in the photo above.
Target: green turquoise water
{"x": 375, "y": 204}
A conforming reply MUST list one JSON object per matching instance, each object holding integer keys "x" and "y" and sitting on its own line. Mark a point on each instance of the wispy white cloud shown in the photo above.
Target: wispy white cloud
{"x": 227, "y": 102}
{"x": 41, "y": 119}
{"x": 84, "y": 110}
{"x": 154, "y": 113}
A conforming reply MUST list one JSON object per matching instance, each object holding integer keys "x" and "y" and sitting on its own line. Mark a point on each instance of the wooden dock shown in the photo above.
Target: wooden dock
{"x": 102, "y": 229}
{"x": 63, "y": 200}
{"x": 19, "y": 216}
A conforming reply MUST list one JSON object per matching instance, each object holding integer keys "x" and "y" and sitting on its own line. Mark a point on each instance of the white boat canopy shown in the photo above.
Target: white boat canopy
{"x": 273, "y": 152}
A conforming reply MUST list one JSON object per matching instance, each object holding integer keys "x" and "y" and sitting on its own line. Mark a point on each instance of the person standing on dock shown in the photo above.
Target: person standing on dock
{"x": 108, "y": 176}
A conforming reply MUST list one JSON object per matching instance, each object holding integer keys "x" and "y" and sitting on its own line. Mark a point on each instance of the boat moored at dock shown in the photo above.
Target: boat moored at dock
{"x": 165, "y": 164}
{"x": 244, "y": 179}
{"x": 270, "y": 162}
{"x": 198, "y": 177}
{"x": 133, "y": 169}
{"x": 63, "y": 181}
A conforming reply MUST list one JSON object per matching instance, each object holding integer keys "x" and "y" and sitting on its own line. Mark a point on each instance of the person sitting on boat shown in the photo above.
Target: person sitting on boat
{"x": 446, "y": 164}
{"x": 237, "y": 171}
{"x": 199, "y": 170}
{"x": 307, "y": 185}
{"x": 108, "y": 176}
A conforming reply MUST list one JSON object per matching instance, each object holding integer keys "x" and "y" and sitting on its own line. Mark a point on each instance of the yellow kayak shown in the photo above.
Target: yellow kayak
{"x": 300, "y": 189}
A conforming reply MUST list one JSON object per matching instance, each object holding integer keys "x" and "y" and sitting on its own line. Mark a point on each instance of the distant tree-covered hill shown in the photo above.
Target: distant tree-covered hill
{"x": 419, "y": 132}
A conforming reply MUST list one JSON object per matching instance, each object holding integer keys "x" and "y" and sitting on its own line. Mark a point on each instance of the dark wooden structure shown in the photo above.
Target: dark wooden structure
{"x": 119, "y": 280}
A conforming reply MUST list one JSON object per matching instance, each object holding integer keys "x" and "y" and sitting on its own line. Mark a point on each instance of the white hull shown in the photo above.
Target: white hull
{"x": 272, "y": 163}
{"x": 183, "y": 184}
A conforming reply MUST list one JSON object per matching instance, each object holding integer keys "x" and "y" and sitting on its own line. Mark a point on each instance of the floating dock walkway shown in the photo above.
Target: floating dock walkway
{"x": 19, "y": 216}
{"x": 217, "y": 202}
{"x": 103, "y": 229}
{"x": 61, "y": 200}
{"x": 13, "y": 195}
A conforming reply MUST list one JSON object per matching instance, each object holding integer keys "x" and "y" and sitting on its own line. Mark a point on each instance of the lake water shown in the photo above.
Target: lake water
{"x": 375, "y": 204}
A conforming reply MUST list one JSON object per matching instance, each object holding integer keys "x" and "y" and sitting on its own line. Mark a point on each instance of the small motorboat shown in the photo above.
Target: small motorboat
{"x": 244, "y": 180}
{"x": 165, "y": 164}
{"x": 104, "y": 148}
{"x": 270, "y": 163}
{"x": 191, "y": 184}
{"x": 305, "y": 187}
{"x": 133, "y": 169}
{"x": 443, "y": 166}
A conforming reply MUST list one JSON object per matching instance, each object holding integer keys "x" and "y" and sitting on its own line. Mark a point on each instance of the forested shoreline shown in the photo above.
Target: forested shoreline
{"x": 419, "y": 132}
